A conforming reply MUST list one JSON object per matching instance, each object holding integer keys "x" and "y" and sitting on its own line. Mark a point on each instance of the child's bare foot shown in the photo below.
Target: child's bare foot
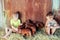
{"x": 4, "y": 37}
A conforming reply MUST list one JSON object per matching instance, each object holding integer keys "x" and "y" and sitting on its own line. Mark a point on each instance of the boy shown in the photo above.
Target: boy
{"x": 51, "y": 25}
{"x": 15, "y": 22}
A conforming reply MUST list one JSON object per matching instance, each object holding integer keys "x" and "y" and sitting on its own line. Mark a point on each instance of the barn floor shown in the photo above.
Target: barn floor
{"x": 40, "y": 35}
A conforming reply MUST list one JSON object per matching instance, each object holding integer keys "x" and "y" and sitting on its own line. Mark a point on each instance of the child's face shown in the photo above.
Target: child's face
{"x": 49, "y": 17}
{"x": 15, "y": 16}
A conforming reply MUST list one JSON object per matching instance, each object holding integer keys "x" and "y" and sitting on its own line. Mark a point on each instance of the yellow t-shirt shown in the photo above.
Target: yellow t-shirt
{"x": 15, "y": 23}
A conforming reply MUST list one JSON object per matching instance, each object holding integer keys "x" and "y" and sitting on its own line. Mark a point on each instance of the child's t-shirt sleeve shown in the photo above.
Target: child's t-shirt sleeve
{"x": 19, "y": 22}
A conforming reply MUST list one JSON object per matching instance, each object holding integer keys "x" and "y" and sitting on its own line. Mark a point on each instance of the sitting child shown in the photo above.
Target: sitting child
{"x": 15, "y": 22}
{"x": 51, "y": 25}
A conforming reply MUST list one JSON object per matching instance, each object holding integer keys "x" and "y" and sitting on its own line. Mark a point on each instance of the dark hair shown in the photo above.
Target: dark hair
{"x": 19, "y": 15}
{"x": 49, "y": 13}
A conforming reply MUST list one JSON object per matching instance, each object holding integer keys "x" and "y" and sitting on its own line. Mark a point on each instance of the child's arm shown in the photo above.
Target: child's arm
{"x": 20, "y": 22}
{"x": 56, "y": 24}
{"x": 46, "y": 24}
{"x": 14, "y": 28}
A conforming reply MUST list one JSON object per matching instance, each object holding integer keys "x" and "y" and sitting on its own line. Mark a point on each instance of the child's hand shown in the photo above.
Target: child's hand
{"x": 51, "y": 27}
{"x": 14, "y": 28}
{"x": 21, "y": 24}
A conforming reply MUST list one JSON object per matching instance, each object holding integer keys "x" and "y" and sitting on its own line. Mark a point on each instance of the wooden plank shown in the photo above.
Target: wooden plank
{"x": 31, "y": 9}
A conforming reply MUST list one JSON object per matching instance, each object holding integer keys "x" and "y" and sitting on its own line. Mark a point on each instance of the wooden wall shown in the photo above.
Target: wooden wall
{"x": 30, "y": 9}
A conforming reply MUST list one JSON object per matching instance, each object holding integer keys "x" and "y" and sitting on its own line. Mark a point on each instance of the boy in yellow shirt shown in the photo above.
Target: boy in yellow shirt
{"x": 15, "y": 22}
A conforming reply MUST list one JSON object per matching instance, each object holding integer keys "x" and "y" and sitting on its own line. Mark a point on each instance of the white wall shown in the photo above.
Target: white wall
{"x": 55, "y": 4}
{"x": 2, "y": 19}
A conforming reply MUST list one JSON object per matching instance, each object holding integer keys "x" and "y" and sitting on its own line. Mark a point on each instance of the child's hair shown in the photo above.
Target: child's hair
{"x": 19, "y": 15}
{"x": 50, "y": 13}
